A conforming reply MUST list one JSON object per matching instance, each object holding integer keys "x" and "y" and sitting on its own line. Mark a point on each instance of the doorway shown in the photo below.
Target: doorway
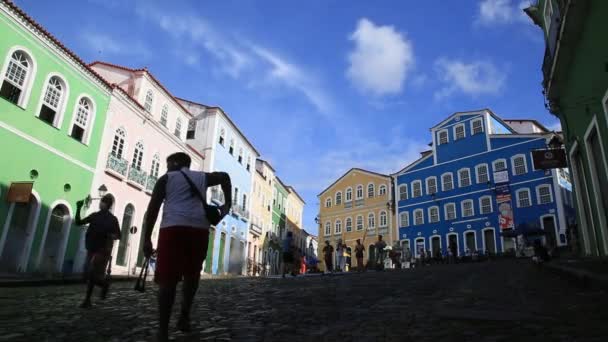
{"x": 419, "y": 247}
{"x": 469, "y": 240}
{"x": 209, "y": 257}
{"x": 548, "y": 225}
{"x": 453, "y": 243}
{"x": 489, "y": 241}
{"x": 21, "y": 222}
{"x": 58, "y": 225}
{"x": 127, "y": 220}
{"x": 435, "y": 245}
{"x": 220, "y": 258}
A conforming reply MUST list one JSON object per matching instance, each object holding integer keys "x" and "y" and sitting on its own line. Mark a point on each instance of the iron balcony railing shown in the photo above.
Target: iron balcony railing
{"x": 151, "y": 183}
{"x": 359, "y": 202}
{"x": 118, "y": 165}
{"x": 137, "y": 176}
{"x": 254, "y": 228}
{"x": 348, "y": 205}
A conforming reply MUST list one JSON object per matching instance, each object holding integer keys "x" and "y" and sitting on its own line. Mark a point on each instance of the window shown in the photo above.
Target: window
{"x": 543, "y": 194}
{"x": 404, "y": 219}
{"x": 416, "y": 189}
{"x": 418, "y": 217}
{"x": 371, "y": 221}
{"x": 359, "y": 222}
{"x": 327, "y": 228}
{"x": 464, "y": 177}
{"x": 447, "y": 182}
{"x": 118, "y": 145}
{"x": 244, "y": 204}
{"x": 450, "y": 211}
{"x": 485, "y": 205}
{"x": 138, "y": 155}
{"x": 359, "y": 191}
{"x": 328, "y": 202}
{"x": 349, "y": 195}
{"x": 467, "y": 208}
{"x": 482, "y": 173}
{"x": 222, "y": 136}
{"x": 190, "y": 133}
{"x": 349, "y": 225}
{"x": 370, "y": 190}
{"x": 338, "y": 198}
{"x": 52, "y": 102}
{"x": 248, "y": 167}
{"x": 403, "y": 192}
{"x": 383, "y": 219}
{"x": 499, "y": 165}
{"x": 155, "y": 166}
{"x": 518, "y": 164}
{"x": 17, "y": 77}
{"x": 433, "y": 214}
{"x": 164, "y": 113}
{"x": 431, "y": 185}
{"x": 83, "y": 117}
{"x": 382, "y": 190}
{"x": 459, "y": 132}
{"x": 523, "y": 198}
{"x": 240, "y": 158}
{"x": 338, "y": 228}
{"x": 231, "y": 148}
{"x": 235, "y": 199}
{"x": 148, "y": 101}
{"x": 443, "y": 137}
{"x": 178, "y": 128}
{"x": 477, "y": 126}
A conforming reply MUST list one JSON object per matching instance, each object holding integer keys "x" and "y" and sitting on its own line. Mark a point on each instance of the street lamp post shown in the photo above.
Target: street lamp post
{"x": 101, "y": 191}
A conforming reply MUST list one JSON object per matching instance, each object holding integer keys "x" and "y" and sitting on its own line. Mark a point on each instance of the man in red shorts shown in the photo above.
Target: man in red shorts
{"x": 184, "y": 234}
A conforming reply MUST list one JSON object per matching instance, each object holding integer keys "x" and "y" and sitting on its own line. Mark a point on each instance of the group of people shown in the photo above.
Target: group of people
{"x": 343, "y": 256}
{"x": 294, "y": 260}
{"x": 182, "y": 242}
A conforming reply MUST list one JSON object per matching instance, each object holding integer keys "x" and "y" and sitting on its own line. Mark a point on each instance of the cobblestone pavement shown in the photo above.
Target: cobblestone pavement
{"x": 493, "y": 301}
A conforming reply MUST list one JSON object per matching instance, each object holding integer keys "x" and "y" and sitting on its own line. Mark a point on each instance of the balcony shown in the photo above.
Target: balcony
{"x": 348, "y": 205}
{"x": 137, "y": 177}
{"x": 255, "y": 229}
{"x": 117, "y": 166}
{"x": 243, "y": 213}
{"x": 359, "y": 202}
{"x": 383, "y": 230}
{"x": 151, "y": 183}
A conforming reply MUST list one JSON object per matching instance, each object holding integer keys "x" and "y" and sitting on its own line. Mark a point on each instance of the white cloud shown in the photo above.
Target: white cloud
{"x": 492, "y": 12}
{"x": 103, "y": 44}
{"x": 472, "y": 78}
{"x": 381, "y": 59}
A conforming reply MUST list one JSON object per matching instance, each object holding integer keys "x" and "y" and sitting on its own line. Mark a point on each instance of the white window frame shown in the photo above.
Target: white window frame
{"x": 346, "y": 225}
{"x": 538, "y": 187}
{"x": 477, "y": 173}
{"x": 447, "y": 136}
{"x": 138, "y": 156}
{"x": 464, "y": 131}
{"x": 164, "y": 115}
{"x": 443, "y": 183}
{"x": 383, "y": 214}
{"x": 431, "y": 216}
{"x": 327, "y": 228}
{"x": 473, "y": 125}
{"x": 382, "y": 190}
{"x": 407, "y": 195}
{"x": 61, "y": 106}
{"x": 426, "y": 181}
{"x": 445, "y": 211}
{"x": 328, "y": 202}
{"x": 406, "y": 215}
{"x": 499, "y": 160}
{"x": 373, "y": 188}
{"x": 148, "y": 107}
{"x": 124, "y": 142}
{"x": 178, "y": 128}
{"x": 460, "y": 178}
{"x": 29, "y": 79}
{"x": 513, "y": 164}
{"x": 481, "y": 211}
{"x": 518, "y": 196}
{"x": 371, "y": 221}
{"x": 349, "y": 191}
{"x": 362, "y": 226}
{"x": 338, "y": 227}
{"x": 462, "y": 211}
{"x": 359, "y": 187}
{"x": 414, "y": 183}
{"x": 86, "y": 138}
{"x": 421, "y": 217}
{"x": 338, "y": 197}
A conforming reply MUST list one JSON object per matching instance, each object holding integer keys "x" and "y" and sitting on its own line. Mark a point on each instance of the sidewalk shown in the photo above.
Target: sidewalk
{"x": 588, "y": 271}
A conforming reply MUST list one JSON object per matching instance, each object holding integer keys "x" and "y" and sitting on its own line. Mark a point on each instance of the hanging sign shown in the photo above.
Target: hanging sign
{"x": 20, "y": 192}
{"x": 553, "y": 158}
{"x": 505, "y": 209}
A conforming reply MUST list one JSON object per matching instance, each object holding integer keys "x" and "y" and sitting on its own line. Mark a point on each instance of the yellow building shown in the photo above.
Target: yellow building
{"x": 357, "y": 205}
{"x": 261, "y": 212}
{"x": 294, "y": 210}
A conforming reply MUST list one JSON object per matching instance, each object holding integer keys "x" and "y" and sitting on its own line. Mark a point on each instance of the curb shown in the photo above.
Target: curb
{"x": 585, "y": 278}
{"x": 53, "y": 282}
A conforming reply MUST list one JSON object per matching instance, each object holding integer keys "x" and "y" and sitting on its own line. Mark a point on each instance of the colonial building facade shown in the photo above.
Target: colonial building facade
{"x": 261, "y": 213}
{"x": 356, "y": 206}
{"x": 479, "y": 180}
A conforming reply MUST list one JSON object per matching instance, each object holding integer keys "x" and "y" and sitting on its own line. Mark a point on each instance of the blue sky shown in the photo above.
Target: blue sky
{"x": 319, "y": 87}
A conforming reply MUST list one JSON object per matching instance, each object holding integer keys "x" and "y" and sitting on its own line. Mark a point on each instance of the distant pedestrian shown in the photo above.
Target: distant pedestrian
{"x": 99, "y": 241}
{"x": 303, "y": 264}
{"x": 183, "y": 235}
{"x": 359, "y": 249}
{"x": 288, "y": 254}
{"x": 380, "y": 245}
{"x": 340, "y": 256}
{"x": 328, "y": 252}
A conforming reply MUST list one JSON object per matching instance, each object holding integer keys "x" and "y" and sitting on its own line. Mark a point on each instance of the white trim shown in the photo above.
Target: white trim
{"x": 373, "y": 190}
{"x": 380, "y": 190}
{"x": 419, "y": 182}
{"x": 464, "y": 238}
{"x": 328, "y": 202}
{"x": 29, "y": 82}
{"x": 447, "y": 242}
{"x": 445, "y": 211}
{"x": 357, "y": 223}
{"x": 471, "y": 122}
{"x": 346, "y": 225}
{"x": 90, "y": 120}
{"x": 428, "y": 211}
{"x": 416, "y": 251}
{"x": 477, "y": 173}
{"x": 460, "y": 178}
{"x": 555, "y": 225}
{"x": 337, "y": 223}
{"x": 483, "y": 239}
{"x": 61, "y": 107}
{"x": 471, "y": 220}
{"x": 357, "y": 192}
{"x": 481, "y": 207}
{"x": 380, "y": 219}
{"x": 594, "y": 178}
{"x": 407, "y": 195}
{"x": 513, "y": 164}
{"x": 446, "y": 131}
{"x": 517, "y": 197}
{"x": 470, "y": 116}
{"x": 462, "y": 212}
{"x": 442, "y": 182}
{"x": 537, "y": 188}
{"x": 426, "y": 183}
{"x": 464, "y": 131}
{"x": 373, "y": 216}
{"x": 431, "y": 243}
{"x": 346, "y": 200}
{"x": 64, "y": 235}
{"x": 45, "y": 146}
{"x": 469, "y": 156}
{"x": 406, "y": 169}
{"x": 499, "y": 160}
{"x": 560, "y": 206}
{"x": 421, "y": 211}
{"x": 336, "y": 197}
{"x": 407, "y": 214}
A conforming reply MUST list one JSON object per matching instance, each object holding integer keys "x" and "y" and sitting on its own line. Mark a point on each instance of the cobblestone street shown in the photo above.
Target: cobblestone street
{"x": 493, "y": 301}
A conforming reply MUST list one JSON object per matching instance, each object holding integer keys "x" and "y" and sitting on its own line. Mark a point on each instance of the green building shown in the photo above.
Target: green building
{"x": 279, "y": 202}
{"x": 52, "y": 113}
{"x": 575, "y": 82}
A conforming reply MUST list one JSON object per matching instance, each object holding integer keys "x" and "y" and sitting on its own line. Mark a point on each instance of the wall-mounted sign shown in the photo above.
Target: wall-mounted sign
{"x": 505, "y": 218}
{"x": 554, "y": 158}
{"x": 501, "y": 177}
{"x": 19, "y": 192}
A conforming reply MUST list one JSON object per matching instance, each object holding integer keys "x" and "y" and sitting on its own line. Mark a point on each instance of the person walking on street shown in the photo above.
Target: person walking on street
{"x": 328, "y": 252}
{"x": 340, "y": 256}
{"x": 183, "y": 235}
{"x": 380, "y": 245}
{"x": 99, "y": 241}
{"x": 288, "y": 255}
{"x": 359, "y": 249}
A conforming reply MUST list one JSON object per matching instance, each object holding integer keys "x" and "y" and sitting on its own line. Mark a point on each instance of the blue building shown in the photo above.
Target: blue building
{"x": 224, "y": 148}
{"x": 477, "y": 181}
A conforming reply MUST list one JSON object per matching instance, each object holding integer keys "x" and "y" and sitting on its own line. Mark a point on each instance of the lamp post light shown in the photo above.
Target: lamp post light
{"x": 101, "y": 191}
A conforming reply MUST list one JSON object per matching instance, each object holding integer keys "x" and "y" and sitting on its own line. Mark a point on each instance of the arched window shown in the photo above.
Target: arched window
{"x": 52, "y": 102}
{"x": 518, "y": 163}
{"x": 482, "y": 173}
{"x": 383, "y": 219}
{"x": 371, "y": 191}
{"x": 164, "y": 114}
{"x": 543, "y": 194}
{"x": 222, "y": 136}
{"x": 349, "y": 225}
{"x": 523, "y": 198}
{"x": 338, "y": 198}
{"x": 477, "y": 126}
{"x": 404, "y": 219}
{"x": 359, "y": 191}
{"x": 119, "y": 143}
{"x": 138, "y": 155}
{"x": 148, "y": 101}
{"x": 17, "y": 78}
{"x": 418, "y": 217}
{"x": 328, "y": 202}
{"x": 349, "y": 195}
{"x": 327, "y": 228}
{"x": 382, "y": 190}
{"x": 485, "y": 204}
{"x": 359, "y": 222}
{"x": 450, "y": 211}
{"x": 371, "y": 221}
{"x": 443, "y": 137}
{"x": 248, "y": 166}
{"x": 84, "y": 116}
{"x": 467, "y": 208}
{"x": 499, "y": 165}
{"x": 155, "y": 166}
{"x": 431, "y": 185}
{"x": 416, "y": 188}
{"x": 459, "y": 132}
{"x": 338, "y": 229}
{"x": 403, "y": 192}
{"x": 464, "y": 177}
{"x": 240, "y": 158}
{"x": 434, "y": 214}
{"x": 178, "y": 128}
{"x": 447, "y": 182}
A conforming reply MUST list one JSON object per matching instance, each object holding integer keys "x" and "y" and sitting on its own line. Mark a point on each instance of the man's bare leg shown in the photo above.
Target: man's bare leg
{"x": 166, "y": 298}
